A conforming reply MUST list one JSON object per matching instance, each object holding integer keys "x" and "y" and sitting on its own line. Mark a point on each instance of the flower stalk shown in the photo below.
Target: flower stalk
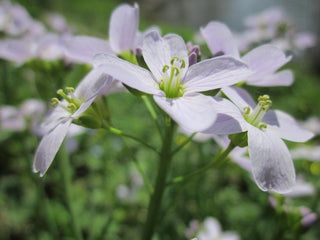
{"x": 163, "y": 169}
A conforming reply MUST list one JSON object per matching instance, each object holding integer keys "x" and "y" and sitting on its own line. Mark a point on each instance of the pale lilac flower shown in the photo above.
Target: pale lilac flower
{"x": 312, "y": 124}
{"x": 311, "y": 153}
{"x": 303, "y": 40}
{"x": 59, "y": 121}
{"x": 272, "y": 166}
{"x": 16, "y": 20}
{"x": 301, "y": 189}
{"x": 212, "y": 230}
{"x": 264, "y": 60}
{"x": 123, "y": 31}
{"x": 11, "y": 119}
{"x": 308, "y": 217}
{"x": 269, "y": 18}
{"x": 174, "y": 85}
{"x": 58, "y": 23}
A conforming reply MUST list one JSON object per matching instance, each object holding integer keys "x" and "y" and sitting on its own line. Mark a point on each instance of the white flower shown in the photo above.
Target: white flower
{"x": 58, "y": 122}
{"x": 272, "y": 166}
{"x": 174, "y": 85}
{"x": 264, "y": 60}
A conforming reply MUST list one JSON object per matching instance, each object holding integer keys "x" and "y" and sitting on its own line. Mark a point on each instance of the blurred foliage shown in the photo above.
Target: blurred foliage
{"x": 35, "y": 208}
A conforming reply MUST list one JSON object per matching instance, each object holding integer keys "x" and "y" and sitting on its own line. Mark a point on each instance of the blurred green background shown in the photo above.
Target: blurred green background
{"x": 102, "y": 169}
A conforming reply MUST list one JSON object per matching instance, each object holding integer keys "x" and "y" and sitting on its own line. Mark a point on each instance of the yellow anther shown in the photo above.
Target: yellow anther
{"x": 246, "y": 110}
{"x": 72, "y": 107}
{"x": 69, "y": 89}
{"x": 165, "y": 68}
{"x": 54, "y": 102}
{"x": 183, "y": 63}
{"x": 173, "y": 59}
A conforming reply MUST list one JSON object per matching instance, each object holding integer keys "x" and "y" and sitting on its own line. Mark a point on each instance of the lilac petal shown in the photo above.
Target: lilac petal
{"x": 272, "y": 166}
{"x": 84, "y": 48}
{"x": 215, "y": 73}
{"x": 193, "y": 113}
{"x": 229, "y": 119}
{"x": 282, "y": 78}
{"x": 103, "y": 82}
{"x": 124, "y": 24}
{"x": 264, "y": 60}
{"x": 128, "y": 73}
{"x": 158, "y": 51}
{"x": 49, "y": 147}
{"x": 286, "y": 127}
{"x": 239, "y": 97}
{"x": 219, "y": 39}
{"x": 92, "y": 83}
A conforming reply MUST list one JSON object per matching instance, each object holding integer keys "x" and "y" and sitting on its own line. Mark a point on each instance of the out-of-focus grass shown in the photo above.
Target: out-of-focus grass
{"x": 34, "y": 208}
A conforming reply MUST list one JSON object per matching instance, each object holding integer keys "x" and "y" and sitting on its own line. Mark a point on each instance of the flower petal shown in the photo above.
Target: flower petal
{"x": 194, "y": 112}
{"x": 286, "y": 127}
{"x": 272, "y": 166}
{"x": 84, "y": 48}
{"x": 219, "y": 39}
{"x": 264, "y": 60}
{"x": 215, "y": 73}
{"x": 124, "y": 22}
{"x": 282, "y": 78}
{"x": 229, "y": 119}
{"x": 49, "y": 147}
{"x": 128, "y": 73}
{"x": 158, "y": 51}
{"x": 239, "y": 97}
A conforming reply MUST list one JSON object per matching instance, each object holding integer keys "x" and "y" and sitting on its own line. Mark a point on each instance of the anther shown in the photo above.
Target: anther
{"x": 165, "y": 68}
{"x": 54, "y": 102}
{"x": 72, "y": 107}
{"x": 173, "y": 59}
{"x": 246, "y": 110}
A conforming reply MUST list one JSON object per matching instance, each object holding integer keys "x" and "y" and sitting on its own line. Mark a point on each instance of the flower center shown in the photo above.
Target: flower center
{"x": 255, "y": 117}
{"x": 72, "y": 103}
{"x": 171, "y": 81}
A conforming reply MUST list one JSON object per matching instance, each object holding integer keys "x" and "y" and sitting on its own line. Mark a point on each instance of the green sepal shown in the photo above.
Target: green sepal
{"x": 128, "y": 56}
{"x": 239, "y": 139}
{"x": 134, "y": 91}
{"x": 211, "y": 92}
{"x": 94, "y": 116}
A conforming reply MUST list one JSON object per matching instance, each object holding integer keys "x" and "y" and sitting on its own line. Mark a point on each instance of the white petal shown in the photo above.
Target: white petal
{"x": 49, "y": 147}
{"x": 264, "y": 60}
{"x": 158, "y": 51}
{"x": 128, "y": 73}
{"x": 286, "y": 126}
{"x": 219, "y": 39}
{"x": 282, "y": 78}
{"x": 84, "y": 48}
{"x": 193, "y": 113}
{"x": 215, "y": 73}
{"x": 272, "y": 166}
{"x": 229, "y": 119}
{"x": 239, "y": 97}
{"x": 124, "y": 22}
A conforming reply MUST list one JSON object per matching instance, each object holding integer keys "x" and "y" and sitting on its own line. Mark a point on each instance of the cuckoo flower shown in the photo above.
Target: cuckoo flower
{"x": 123, "y": 31}
{"x": 264, "y": 60}
{"x": 71, "y": 108}
{"x": 272, "y": 166}
{"x": 174, "y": 85}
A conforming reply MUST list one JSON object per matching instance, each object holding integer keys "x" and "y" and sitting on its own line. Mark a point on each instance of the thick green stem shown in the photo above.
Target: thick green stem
{"x": 65, "y": 171}
{"x": 217, "y": 161}
{"x": 163, "y": 169}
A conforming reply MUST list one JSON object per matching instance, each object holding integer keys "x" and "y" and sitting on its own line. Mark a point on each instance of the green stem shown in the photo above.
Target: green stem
{"x": 156, "y": 198}
{"x": 65, "y": 171}
{"x": 121, "y": 133}
{"x": 218, "y": 161}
